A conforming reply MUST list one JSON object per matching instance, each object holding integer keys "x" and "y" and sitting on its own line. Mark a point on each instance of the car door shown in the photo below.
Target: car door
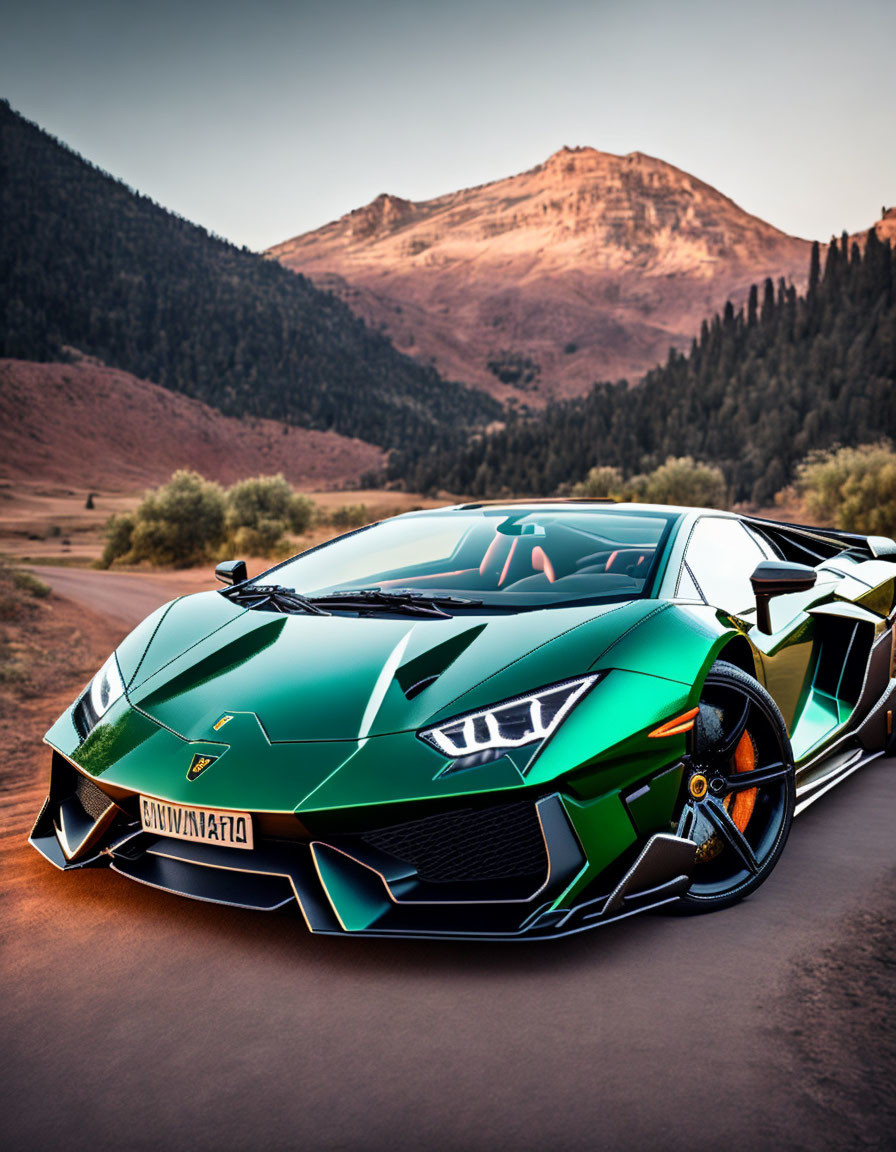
{"x": 719, "y": 559}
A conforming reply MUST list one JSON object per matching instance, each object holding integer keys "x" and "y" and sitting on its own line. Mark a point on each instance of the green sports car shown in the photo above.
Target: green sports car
{"x": 490, "y": 721}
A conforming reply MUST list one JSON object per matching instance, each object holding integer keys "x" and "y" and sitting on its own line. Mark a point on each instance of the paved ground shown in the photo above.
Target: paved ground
{"x": 131, "y": 1018}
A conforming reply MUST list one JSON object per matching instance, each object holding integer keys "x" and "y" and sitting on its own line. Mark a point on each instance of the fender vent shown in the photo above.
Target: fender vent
{"x": 487, "y": 844}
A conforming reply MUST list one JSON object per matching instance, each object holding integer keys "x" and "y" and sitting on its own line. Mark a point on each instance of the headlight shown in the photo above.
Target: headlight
{"x": 102, "y": 692}
{"x": 511, "y": 724}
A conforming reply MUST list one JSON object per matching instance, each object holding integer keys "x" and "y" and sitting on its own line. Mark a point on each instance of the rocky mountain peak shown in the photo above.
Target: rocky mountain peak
{"x": 587, "y": 266}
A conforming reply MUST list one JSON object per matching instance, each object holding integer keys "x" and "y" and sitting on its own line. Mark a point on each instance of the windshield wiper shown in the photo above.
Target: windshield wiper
{"x": 407, "y": 600}
{"x": 272, "y": 598}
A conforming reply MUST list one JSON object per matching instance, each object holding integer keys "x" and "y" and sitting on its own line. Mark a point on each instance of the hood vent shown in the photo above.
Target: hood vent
{"x": 416, "y": 675}
{"x": 416, "y": 689}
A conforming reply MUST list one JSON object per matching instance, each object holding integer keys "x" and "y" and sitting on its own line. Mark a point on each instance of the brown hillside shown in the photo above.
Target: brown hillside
{"x": 590, "y": 265}
{"x": 92, "y": 426}
{"x": 886, "y": 226}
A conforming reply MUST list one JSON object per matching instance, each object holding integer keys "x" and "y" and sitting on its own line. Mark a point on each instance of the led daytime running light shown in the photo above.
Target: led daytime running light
{"x": 511, "y": 724}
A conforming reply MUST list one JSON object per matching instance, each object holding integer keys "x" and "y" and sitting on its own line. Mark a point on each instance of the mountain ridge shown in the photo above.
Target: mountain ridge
{"x": 590, "y": 265}
{"x": 88, "y": 262}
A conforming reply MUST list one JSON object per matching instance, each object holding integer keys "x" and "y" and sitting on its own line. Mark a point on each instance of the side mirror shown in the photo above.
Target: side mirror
{"x": 777, "y": 578}
{"x": 232, "y": 571}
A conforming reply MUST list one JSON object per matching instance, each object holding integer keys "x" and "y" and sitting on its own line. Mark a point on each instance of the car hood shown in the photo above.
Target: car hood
{"x": 318, "y": 678}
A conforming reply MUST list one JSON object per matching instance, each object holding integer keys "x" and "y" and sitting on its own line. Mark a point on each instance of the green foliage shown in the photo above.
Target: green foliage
{"x": 190, "y": 520}
{"x": 86, "y": 262}
{"x": 119, "y": 531}
{"x": 602, "y": 482}
{"x": 179, "y": 524}
{"x": 18, "y": 591}
{"x": 755, "y": 395}
{"x": 514, "y": 368}
{"x": 852, "y": 488}
{"x": 261, "y": 510}
{"x": 349, "y": 516}
{"x": 29, "y": 583}
{"x": 680, "y": 481}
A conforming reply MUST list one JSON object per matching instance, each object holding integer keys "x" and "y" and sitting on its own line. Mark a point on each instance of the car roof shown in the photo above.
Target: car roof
{"x": 801, "y": 542}
{"x": 605, "y": 505}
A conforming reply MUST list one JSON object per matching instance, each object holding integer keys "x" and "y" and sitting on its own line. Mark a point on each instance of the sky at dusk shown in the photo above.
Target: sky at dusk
{"x": 263, "y": 120}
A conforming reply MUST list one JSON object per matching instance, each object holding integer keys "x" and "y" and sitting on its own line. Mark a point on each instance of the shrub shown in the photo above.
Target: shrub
{"x": 189, "y": 520}
{"x": 349, "y": 516}
{"x": 600, "y": 483}
{"x": 679, "y": 481}
{"x": 852, "y": 488}
{"x": 18, "y": 591}
{"x": 261, "y": 510}
{"x": 181, "y": 523}
{"x": 28, "y": 582}
{"x": 514, "y": 368}
{"x": 119, "y": 530}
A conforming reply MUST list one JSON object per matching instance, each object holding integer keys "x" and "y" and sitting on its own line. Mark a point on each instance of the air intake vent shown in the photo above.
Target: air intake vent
{"x": 490, "y": 844}
{"x": 92, "y": 799}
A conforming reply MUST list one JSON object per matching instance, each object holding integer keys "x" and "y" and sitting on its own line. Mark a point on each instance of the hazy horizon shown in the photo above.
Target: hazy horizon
{"x": 266, "y": 122}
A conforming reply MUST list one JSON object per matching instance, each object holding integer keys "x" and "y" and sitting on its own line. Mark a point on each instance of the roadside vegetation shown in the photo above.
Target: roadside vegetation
{"x": 854, "y": 488}
{"x": 849, "y": 488}
{"x": 190, "y": 520}
{"x": 680, "y": 480}
{"x": 20, "y": 596}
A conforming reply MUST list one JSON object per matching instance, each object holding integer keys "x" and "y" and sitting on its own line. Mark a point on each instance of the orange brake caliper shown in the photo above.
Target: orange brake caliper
{"x": 744, "y": 802}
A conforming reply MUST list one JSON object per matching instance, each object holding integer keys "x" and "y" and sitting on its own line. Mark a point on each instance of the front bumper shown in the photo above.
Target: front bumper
{"x": 448, "y": 875}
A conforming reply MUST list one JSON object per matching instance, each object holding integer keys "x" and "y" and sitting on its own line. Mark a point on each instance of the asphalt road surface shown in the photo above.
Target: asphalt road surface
{"x": 135, "y": 1019}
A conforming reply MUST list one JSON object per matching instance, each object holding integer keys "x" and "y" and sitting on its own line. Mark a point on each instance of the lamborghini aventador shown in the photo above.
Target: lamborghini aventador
{"x": 485, "y": 721}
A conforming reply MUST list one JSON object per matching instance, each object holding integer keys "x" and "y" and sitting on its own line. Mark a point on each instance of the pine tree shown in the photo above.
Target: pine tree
{"x": 814, "y": 269}
{"x": 810, "y": 373}
{"x": 753, "y": 307}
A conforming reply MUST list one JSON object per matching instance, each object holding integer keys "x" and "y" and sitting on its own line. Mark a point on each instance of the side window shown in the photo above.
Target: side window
{"x": 687, "y": 589}
{"x": 721, "y": 556}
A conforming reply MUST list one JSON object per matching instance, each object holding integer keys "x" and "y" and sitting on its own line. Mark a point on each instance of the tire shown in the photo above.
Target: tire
{"x": 739, "y": 739}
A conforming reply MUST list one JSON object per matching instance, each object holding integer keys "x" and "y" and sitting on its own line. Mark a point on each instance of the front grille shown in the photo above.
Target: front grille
{"x": 489, "y": 844}
{"x": 93, "y": 800}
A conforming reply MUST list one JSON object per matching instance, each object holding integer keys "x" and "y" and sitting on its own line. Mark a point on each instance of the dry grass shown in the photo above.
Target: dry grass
{"x": 47, "y": 523}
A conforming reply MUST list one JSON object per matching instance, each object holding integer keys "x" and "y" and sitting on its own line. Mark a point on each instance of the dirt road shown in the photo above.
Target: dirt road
{"x": 131, "y": 1018}
{"x": 125, "y": 597}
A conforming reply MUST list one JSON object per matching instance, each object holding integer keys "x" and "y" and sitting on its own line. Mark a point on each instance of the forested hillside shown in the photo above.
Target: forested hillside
{"x": 760, "y": 388}
{"x": 87, "y": 262}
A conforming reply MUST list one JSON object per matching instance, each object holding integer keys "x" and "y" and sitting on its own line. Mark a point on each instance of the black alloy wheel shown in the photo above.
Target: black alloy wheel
{"x": 739, "y": 793}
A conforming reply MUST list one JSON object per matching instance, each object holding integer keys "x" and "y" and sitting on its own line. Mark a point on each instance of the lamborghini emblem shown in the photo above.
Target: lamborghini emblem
{"x": 225, "y": 719}
{"x": 199, "y": 765}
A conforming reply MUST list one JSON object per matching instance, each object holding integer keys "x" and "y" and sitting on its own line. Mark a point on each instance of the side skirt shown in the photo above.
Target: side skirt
{"x": 823, "y": 775}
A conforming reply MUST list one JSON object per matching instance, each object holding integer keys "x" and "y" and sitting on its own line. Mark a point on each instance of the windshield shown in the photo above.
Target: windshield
{"x": 499, "y": 557}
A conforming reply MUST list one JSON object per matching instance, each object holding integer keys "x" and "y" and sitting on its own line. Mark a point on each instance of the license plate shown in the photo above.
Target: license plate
{"x": 204, "y": 825}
